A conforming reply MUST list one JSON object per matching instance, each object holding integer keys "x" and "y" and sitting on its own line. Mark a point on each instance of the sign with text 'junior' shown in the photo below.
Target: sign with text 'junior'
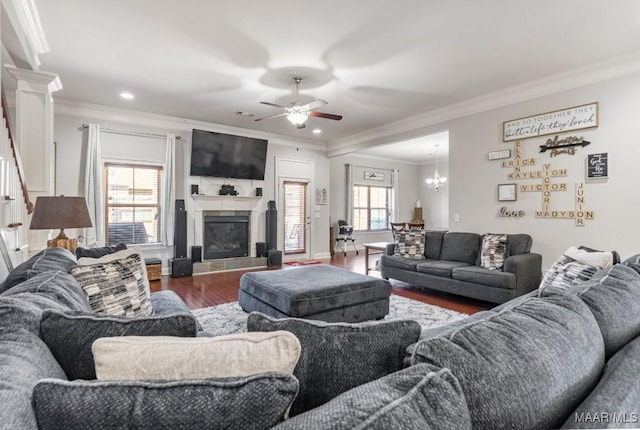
{"x": 559, "y": 121}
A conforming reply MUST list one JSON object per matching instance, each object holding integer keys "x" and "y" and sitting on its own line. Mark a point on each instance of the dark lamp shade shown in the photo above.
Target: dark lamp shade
{"x": 60, "y": 212}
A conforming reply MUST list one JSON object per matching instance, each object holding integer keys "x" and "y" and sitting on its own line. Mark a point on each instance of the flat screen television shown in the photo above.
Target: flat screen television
{"x": 227, "y": 156}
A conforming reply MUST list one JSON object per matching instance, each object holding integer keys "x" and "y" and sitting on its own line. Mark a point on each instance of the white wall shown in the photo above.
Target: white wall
{"x": 71, "y": 140}
{"x": 435, "y": 204}
{"x": 408, "y": 192}
{"x": 473, "y": 179}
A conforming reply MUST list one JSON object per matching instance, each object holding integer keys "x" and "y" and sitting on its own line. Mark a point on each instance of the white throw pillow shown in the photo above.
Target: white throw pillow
{"x": 119, "y": 255}
{"x": 599, "y": 259}
{"x": 177, "y": 358}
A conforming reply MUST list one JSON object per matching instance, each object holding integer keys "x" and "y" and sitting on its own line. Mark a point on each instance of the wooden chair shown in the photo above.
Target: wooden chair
{"x": 416, "y": 226}
{"x": 397, "y": 227}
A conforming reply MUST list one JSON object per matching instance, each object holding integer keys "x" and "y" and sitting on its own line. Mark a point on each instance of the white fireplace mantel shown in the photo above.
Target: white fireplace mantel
{"x": 204, "y": 203}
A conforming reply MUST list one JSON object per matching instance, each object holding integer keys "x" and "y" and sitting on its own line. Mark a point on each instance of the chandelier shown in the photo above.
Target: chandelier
{"x": 437, "y": 181}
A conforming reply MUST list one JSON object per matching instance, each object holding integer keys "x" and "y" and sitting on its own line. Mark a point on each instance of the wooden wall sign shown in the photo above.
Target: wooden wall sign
{"x": 559, "y": 121}
{"x": 569, "y": 145}
{"x": 598, "y": 165}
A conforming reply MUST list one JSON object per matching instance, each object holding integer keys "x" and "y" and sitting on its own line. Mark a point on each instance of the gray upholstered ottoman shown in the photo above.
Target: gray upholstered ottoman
{"x": 319, "y": 292}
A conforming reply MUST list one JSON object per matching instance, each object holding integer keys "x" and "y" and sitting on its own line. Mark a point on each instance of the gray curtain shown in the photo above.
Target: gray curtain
{"x": 93, "y": 189}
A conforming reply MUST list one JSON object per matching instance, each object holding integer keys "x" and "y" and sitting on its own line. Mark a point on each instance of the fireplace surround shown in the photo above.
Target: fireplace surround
{"x": 226, "y": 234}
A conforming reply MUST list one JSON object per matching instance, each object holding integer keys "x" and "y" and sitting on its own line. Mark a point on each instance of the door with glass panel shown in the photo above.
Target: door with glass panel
{"x": 296, "y": 218}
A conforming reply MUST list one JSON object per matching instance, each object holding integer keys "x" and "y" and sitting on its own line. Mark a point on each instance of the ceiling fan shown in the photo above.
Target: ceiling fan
{"x": 298, "y": 113}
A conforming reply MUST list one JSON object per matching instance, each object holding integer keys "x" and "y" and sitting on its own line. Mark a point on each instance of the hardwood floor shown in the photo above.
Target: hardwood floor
{"x": 216, "y": 288}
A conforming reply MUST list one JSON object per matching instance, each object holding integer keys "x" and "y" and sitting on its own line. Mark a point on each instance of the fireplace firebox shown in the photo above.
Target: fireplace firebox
{"x": 225, "y": 236}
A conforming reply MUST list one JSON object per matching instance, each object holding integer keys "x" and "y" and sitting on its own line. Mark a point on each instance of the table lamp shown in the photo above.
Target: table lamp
{"x": 60, "y": 212}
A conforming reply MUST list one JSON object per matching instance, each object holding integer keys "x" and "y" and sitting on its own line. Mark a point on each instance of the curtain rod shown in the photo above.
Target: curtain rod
{"x": 132, "y": 133}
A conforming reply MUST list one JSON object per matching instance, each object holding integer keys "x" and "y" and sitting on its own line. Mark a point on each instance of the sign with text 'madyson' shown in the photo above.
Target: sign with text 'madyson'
{"x": 559, "y": 121}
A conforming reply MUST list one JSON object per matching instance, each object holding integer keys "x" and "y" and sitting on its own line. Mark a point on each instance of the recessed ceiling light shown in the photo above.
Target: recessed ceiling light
{"x": 244, "y": 113}
{"x": 127, "y": 96}
{"x": 317, "y": 131}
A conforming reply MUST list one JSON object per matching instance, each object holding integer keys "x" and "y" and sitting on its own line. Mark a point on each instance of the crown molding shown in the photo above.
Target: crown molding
{"x": 575, "y": 78}
{"x": 24, "y": 18}
{"x": 90, "y": 111}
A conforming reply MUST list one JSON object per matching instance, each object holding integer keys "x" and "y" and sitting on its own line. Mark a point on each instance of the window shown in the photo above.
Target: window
{"x": 371, "y": 207}
{"x": 132, "y": 203}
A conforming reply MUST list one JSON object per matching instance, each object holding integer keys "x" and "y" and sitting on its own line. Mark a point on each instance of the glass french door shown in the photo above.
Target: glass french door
{"x": 296, "y": 218}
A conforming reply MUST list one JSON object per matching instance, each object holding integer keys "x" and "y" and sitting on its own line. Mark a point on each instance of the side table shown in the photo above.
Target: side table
{"x": 377, "y": 248}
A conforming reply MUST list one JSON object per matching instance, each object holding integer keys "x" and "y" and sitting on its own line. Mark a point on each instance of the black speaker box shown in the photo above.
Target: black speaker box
{"x": 194, "y": 189}
{"x": 271, "y": 205}
{"x": 261, "y": 249}
{"x": 180, "y": 206}
{"x": 180, "y": 234}
{"x": 271, "y": 235}
{"x": 274, "y": 258}
{"x": 259, "y": 192}
{"x": 181, "y": 267}
{"x": 196, "y": 254}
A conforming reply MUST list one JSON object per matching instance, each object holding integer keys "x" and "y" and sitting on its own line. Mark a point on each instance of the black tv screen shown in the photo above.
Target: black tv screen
{"x": 227, "y": 156}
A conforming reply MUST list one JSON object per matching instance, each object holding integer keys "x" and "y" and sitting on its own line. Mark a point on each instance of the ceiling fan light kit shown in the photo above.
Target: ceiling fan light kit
{"x": 298, "y": 114}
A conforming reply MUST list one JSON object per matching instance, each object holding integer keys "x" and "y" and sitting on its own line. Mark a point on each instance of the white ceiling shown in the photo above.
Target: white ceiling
{"x": 374, "y": 61}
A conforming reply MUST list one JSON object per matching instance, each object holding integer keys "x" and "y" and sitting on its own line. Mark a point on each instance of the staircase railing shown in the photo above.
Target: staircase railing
{"x": 16, "y": 153}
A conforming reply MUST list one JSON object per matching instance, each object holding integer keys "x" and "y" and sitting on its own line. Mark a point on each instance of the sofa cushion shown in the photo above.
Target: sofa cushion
{"x": 400, "y": 262}
{"x": 439, "y": 267}
{"x": 171, "y": 358}
{"x": 69, "y": 336}
{"x": 614, "y": 401}
{"x": 493, "y": 251}
{"x": 339, "y": 356}
{"x": 518, "y": 244}
{"x": 25, "y": 360}
{"x": 254, "y": 402}
{"x": 410, "y": 244}
{"x": 99, "y": 251}
{"x": 613, "y": 298}
{"x": 49, "y": 259}
{"x": 418, "y": 398}
{"x": 461, "y": 247}
{"x": 480, "y": 275}
{"x": 433, "y": 244}
{"x": 116, "y": 287}
{"x": 526, "y": 367}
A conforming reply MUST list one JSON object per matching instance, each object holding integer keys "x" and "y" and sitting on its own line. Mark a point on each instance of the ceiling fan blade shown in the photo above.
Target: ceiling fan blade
{"x": 314, "y": 104}
{"x": 325, "y": 115}
{"x": 272, "y": 116}
{"x": 273, "y": 104}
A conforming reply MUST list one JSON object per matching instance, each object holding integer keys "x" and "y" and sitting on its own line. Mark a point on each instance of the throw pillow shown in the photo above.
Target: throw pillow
{"x": 599, "y": 259}
{"x": 116, "y": 287}
{"x": 119, "y": 255}
{"x": 172, "y": 358}
{"x": 566, "y": 272}
{"x": 99, "y": 252}
{"x": 339, "y": 356}
{"x": 253, "y": 403}
{"x": 410, "y": 244}
{"x": 494, "y": 248}
{"x": 417, "y": 398}
{"x": 69, "y": 336}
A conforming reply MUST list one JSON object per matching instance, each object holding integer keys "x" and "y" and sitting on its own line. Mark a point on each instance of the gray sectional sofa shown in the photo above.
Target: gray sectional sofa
{"x": 451, "y": 263}
{"x": 549, "y": 359}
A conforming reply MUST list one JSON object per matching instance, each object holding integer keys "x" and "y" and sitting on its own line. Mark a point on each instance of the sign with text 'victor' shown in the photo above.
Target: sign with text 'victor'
{"x": 559, "y": 121}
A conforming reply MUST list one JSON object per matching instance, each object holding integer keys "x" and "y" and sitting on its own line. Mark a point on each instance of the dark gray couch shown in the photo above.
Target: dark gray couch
{"x": 451, "y": 264}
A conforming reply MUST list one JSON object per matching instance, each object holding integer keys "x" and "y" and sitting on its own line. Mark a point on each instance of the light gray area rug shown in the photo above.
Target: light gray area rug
{"x": 229, "y": 318}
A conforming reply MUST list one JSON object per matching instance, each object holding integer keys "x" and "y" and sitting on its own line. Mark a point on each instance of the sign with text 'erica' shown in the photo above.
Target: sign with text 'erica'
{"x": 559, "y": 121}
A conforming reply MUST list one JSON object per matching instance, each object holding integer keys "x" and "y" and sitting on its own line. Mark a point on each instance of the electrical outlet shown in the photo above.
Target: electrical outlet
{"x": 456, "y": 217}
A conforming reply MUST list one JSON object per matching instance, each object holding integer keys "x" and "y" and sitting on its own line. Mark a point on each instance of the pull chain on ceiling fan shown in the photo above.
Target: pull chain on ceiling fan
{"x": 298, "y": 113}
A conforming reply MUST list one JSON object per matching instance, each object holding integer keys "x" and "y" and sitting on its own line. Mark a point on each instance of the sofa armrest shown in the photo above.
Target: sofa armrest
{"x": 528, "y": 271}
{"x": 390, "y": 248}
